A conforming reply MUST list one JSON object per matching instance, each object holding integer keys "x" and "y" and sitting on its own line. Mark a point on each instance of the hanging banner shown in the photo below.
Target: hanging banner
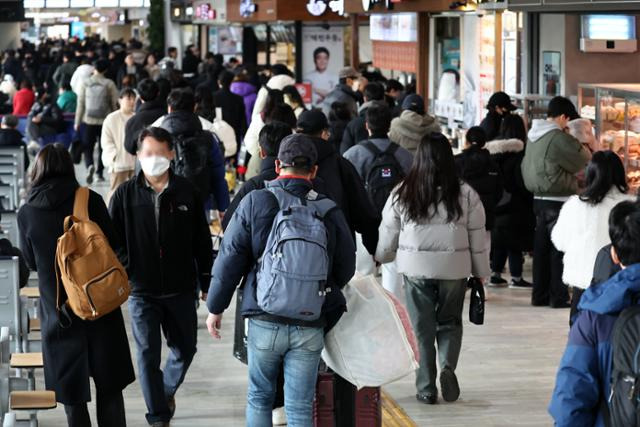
{"x": 323, "y": 58}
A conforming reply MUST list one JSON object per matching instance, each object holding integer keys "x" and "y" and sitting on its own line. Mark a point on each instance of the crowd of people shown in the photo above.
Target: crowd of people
{"x": 366, "y": 180}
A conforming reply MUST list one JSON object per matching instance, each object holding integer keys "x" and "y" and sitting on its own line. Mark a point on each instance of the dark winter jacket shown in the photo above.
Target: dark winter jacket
{"x": 51, "y": 120}
{"x": 336, "y": 132}
{"x": 190, "y": 64}
{"x": 13, "y": 138}
{"x": 491, "y": 125}
{"x": 244, "y": 243}
{"x": 98, "y": 348}
{"x": 347, "y": 190}
{"x": 148, "y": 113}
{"x": 182, "y": 123}
{"x": 475, "y": 167}
{"x": 514, "y": 219}
{"x": 584, "y": 375}
{"x": 249, "y": 93}
{"x": 233, "y": 111}
{"x": 604, "y": 267}
{"x": 356, "y": 130}
{"x": 341, "y": 93}
{"x": 171, "y": 257}
{"x": 267, "y": 173}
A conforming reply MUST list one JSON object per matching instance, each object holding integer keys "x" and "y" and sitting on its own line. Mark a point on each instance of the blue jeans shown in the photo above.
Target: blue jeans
{"x": 270, "y": 344}
{"x": 176, "y": 316}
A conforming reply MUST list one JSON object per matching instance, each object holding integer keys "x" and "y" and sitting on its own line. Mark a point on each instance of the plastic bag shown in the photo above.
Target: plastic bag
{"x": 369, "y": 346}
{"x": 403, "y": 314}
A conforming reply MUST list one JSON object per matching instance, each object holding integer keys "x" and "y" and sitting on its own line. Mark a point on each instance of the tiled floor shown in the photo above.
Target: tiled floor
{"x": 506, "y": 373}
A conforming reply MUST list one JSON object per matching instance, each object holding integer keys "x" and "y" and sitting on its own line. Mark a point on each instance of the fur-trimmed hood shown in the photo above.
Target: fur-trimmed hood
{"x": 500, "y": 146}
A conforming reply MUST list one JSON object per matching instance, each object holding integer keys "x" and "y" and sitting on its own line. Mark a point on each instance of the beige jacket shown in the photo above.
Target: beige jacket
{"x": 435, "y": 248}
{"x": 112, "y": 93}
{"x": 114, "y": 156}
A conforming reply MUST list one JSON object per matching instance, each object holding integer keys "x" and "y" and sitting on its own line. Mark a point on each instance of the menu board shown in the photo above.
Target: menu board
{"x": 57, "y": 3}
{"x": 131, "y": 3}
{"x": 395, "y": 27}
{"x": 33, "y": 4}
{"x": 81, "y": 3}
{"x": 106, "y": 3}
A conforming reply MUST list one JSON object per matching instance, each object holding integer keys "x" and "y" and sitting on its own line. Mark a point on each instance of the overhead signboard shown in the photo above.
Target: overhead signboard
{"x": 396, "y": 27}
{"x": 57, "y": 4}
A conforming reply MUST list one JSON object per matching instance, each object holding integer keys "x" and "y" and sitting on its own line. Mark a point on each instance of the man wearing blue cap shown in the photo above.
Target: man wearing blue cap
{"x": 295, "y": 249}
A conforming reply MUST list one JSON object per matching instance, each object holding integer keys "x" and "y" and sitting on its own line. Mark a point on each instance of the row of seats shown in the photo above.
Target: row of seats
{"x": 20, "y": 344}
{"x": 64, "y": 137}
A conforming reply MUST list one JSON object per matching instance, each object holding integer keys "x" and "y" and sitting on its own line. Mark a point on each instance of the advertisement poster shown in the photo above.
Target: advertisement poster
{"x": 323, "y": 58}
{"x": 551, "y": 62}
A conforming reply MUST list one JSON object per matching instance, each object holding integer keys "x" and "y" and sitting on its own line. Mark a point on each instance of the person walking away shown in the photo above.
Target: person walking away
{"x": 67, "y": 99}
{"x": 64, "y": 72}
{"x": 584, "y": 378}
{"x": 232, "y": 106}
{"x": 297, "y": 334}
{"x": 281, "y": 77}
{"x": 582, "y": 226}
{"x": 198, "y": 157}
{"x": 344, "y": 91}
{"x": 356, "y": 130}
{"x": 45, "y": 118}
{"x": 119, "y": 164}
{"x": 97, "y": 98}
{"x": 413, "y": 124}
{"x": 151, "y": 109}
{"x": 339, "y": 118}
{"x": 247, "y": 91}
{"x": 190, "y": 62}
{"x": 81, "y": 74}
{"x": 475, "y": 167}
{"x": 167, "y": 251}
{"x": 23, "y": 99}
{"x": 514, "y": 223}
{"x": 381, "y": 164}
{"x": 340, "y": 177}
{"x": 97, "y": 349}
{"x": 433, "y": 225}
{"x": 10, "y": 136}
{"x": 552, "y": 159}
{"x": 498, "y": 107}
{"x": 293, "y": 99}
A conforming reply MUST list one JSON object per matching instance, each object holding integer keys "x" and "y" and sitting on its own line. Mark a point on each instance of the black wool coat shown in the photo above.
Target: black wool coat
{"x": 98, "y": 349}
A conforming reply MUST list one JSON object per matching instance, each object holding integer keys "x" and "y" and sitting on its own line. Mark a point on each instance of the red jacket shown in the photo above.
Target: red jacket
{"x": 22, "y": 102}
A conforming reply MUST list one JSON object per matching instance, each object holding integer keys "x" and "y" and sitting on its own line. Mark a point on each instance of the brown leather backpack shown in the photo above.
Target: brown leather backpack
{"x": 95, "y": 281}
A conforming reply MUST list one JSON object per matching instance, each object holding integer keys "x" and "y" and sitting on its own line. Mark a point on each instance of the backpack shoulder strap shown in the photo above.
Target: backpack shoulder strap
{"x": 81, "y": 204}
{"x": 322, "y": 206}
{"x": 371, "y": 147}
{"x": 393, "y": 147}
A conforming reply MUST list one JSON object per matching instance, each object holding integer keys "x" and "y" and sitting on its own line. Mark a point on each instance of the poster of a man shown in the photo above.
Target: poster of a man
{"x": 321, "y": 78}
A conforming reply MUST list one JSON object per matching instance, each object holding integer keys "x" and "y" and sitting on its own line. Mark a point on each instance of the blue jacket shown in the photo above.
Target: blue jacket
{"x": 583, "y": 379}
{"x": 246, "y": 237}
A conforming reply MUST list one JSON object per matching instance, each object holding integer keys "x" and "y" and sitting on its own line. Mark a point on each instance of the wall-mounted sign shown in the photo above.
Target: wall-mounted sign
{"x": 247, "y": 8}
{"x": 394, "y": 27}
{"x": 316, "y": 7}
{"x": 368, "y": 4}
{"x": 337, "y": 6}
{"x": 205, "y": 12}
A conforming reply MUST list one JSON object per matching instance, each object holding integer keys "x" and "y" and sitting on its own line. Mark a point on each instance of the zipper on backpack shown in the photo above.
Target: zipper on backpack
{"x": 94, "y": 312}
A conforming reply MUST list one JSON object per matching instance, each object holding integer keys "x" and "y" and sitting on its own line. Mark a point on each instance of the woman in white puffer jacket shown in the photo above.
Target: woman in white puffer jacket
{"x": 582, "y": 228}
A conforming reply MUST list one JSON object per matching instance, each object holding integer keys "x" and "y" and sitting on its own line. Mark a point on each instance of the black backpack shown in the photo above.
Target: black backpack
{"x": 383, "y": 175}
{"x": 194, "y": 159}
{"x": 624, "y": 406}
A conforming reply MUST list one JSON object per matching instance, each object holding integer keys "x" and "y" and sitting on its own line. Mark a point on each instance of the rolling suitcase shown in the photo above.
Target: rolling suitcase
{"x": 339, "y": 404}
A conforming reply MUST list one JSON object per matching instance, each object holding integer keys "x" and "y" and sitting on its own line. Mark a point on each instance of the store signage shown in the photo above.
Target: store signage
{"x": 205, "y": 11}
{"x": 247, "y": 8}
{"x": 368, "y": 4}
{"x": 304, "y": 89}
{"x": 316, "y": 7}
{"x": 337, "y": 6}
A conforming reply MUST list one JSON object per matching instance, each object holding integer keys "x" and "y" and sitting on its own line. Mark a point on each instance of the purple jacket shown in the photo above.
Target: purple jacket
{"x": 249, "y": 93}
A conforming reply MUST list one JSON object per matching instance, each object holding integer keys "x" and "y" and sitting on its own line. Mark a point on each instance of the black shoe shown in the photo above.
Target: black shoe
{"x": 560, "y": 305}
{"x": 427, "y": 398}
{"x": 497, "y": 280}
{"x": 92, "y": 170}
{"x": 520, "y": 284}
{"x": 449, "y": 385}
{"x": 540, "y": 303}
{"x": 171, "y": 403}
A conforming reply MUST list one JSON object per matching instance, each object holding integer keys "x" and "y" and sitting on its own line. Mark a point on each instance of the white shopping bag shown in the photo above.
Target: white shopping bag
{"x": 369, "y": 346}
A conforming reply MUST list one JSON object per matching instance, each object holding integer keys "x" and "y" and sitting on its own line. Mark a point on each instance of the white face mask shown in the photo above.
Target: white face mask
{"x": 154, "y": 165}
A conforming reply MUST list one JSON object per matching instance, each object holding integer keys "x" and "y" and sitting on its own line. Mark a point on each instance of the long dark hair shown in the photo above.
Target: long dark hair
{"x": 431, "y": 181}
{"x": 513, "y": 127}
{"x": 53, "y": 161}
{"x": 604, "y": 171}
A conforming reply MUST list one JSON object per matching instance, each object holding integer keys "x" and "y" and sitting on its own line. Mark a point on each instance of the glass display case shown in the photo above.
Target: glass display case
{"x": 615, "y": 112}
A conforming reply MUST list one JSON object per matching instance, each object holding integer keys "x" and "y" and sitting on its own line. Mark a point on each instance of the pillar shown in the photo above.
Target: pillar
{"x": 422, "y": 52}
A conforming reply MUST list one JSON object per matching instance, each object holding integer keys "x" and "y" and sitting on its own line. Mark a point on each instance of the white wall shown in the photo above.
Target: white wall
{"x": 10, "y": 35}
{"x": 552, "y": 38}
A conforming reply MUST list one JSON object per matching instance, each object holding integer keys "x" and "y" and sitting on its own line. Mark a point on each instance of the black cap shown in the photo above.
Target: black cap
{"x": 501, "y": 99}
{"x": 414, "y": 103}
{"x": 297, "y": 150}
{"x": 312, "y": 122}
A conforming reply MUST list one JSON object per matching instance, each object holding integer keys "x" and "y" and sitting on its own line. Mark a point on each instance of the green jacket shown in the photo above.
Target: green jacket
{"x": 67, "y": 101}
{"x": 551, "y": 161}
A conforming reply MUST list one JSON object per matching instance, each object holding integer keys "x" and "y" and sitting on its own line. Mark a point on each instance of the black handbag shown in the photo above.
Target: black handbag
{"x": 476, "y": 303}
{"x": 239, "y": 336}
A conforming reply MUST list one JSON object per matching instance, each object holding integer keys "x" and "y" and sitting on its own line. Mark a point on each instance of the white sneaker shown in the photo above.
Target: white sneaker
{"x": 279, "y": 417}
